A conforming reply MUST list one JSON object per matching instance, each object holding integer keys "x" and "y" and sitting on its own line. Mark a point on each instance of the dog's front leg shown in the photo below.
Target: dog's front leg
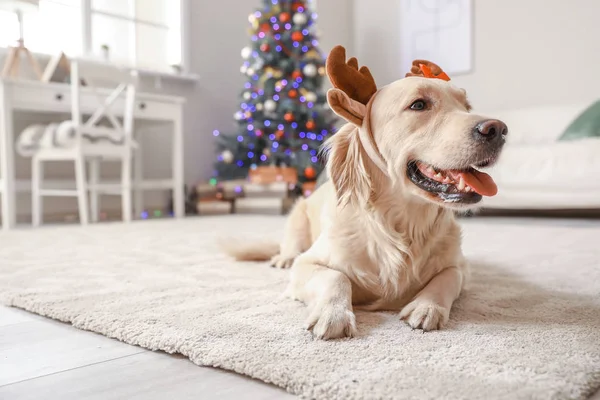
{"x": 430, "y": 309}
{"x": 328, "y": 295}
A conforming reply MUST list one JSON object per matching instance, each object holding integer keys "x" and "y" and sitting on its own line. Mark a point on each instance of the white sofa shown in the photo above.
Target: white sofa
{"x": 537, "y": 171}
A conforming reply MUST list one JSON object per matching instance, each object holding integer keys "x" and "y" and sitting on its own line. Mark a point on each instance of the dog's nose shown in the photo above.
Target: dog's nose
{"x": 490, "y": 129}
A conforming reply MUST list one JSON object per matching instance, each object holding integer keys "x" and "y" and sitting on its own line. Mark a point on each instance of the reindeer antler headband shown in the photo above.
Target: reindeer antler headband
{"x": 358, "y": 83}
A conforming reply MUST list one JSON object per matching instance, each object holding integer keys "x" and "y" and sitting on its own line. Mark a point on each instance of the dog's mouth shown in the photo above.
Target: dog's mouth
{"x": 465, "y": 186}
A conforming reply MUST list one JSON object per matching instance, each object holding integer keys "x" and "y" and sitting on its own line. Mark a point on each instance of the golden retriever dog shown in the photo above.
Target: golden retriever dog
{"x": 381, "y": 234}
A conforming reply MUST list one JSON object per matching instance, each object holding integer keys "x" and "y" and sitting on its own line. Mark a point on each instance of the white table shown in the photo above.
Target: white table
{"x": 39, "y": 97}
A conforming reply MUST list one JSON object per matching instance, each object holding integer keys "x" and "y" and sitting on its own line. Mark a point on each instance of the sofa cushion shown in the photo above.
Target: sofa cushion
{"x": 565, "y": 165}
{"x": 587, "y": 124}
{"x": 538, "y": 125}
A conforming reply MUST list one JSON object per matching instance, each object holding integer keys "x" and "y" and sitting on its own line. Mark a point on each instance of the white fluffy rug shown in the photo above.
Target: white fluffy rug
{"x": 529, "y": 328}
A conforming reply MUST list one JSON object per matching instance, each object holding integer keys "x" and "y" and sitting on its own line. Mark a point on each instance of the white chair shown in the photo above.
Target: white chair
{"x": 81, "y": 142}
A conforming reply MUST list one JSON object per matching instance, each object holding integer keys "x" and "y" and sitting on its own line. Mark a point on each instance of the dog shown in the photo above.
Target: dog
{"x": 381, "y": 233}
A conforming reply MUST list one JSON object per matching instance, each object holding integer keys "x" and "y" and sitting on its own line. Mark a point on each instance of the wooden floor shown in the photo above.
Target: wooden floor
{"x": 44, "y": 359}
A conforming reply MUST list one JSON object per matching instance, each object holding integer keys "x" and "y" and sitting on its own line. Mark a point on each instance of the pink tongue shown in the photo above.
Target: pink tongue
{"x": 481, "y": 182}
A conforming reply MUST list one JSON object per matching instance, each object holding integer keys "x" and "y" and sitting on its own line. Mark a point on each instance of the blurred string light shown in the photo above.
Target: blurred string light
{"x": 276, "y": 25}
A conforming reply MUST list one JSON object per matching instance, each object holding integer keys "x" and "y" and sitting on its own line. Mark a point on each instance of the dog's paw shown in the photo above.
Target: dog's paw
{"x": 425, "y": 314}
{"x": 331, "y": 321}
{"x": 282, "y": 261}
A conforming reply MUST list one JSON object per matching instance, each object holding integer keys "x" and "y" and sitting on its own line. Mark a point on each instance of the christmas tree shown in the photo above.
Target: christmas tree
{"x": 283, "y": 117}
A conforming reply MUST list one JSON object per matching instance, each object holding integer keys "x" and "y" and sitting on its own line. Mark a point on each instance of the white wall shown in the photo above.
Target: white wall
{"x": 526, "y": 52}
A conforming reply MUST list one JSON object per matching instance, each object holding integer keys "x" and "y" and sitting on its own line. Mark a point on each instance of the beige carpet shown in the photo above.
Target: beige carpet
{"x": 528, "y": 329}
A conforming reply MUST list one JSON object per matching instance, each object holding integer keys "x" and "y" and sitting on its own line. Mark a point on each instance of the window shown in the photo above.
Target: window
{"x": 138, "y": 33}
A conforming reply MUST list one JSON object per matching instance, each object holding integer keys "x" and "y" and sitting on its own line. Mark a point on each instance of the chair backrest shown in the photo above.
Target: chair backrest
{"x": 108, "y": 84}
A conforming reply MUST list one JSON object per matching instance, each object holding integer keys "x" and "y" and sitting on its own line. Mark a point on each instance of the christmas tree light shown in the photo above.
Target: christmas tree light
{"x": 283, "y": 118}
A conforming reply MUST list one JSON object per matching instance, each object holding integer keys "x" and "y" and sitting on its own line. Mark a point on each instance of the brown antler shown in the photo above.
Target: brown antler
{"x": 357, "y": 83}
{"x": 427, "y": 69}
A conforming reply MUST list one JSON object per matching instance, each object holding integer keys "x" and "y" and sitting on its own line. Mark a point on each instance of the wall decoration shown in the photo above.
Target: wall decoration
{"x": 437, "y": 30}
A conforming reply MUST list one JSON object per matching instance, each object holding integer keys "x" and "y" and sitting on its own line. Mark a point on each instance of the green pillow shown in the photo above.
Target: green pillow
{"x": 587, "y": 124}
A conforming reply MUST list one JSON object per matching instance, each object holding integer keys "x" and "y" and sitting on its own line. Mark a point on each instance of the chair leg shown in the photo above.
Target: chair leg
{"x": 126, "y": 205}
{"x": 37, "y": 177}
{"x": 81, "y": 190}
{"x": 138, "y": 177}
{"x": 94, "y": 194}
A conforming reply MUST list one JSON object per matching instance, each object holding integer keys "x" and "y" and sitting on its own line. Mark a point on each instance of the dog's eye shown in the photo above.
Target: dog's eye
{"x": 418, "y": 105}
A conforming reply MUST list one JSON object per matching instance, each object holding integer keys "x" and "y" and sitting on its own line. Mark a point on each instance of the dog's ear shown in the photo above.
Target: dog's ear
{"x": 353, "y": 86}
{"x": 347, "y": 169}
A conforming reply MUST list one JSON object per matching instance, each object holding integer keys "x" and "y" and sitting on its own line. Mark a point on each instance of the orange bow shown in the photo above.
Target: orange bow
{"x": 428, "y": 73}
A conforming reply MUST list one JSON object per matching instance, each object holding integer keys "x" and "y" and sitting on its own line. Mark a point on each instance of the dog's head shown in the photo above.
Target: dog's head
{"x": 417, "y": 131}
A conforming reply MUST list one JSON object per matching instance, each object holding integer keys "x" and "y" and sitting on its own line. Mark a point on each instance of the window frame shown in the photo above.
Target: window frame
{"x": 86, "y": 50}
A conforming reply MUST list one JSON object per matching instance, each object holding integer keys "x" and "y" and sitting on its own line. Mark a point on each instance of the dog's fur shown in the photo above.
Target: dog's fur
{"x": 369, "y": 238}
